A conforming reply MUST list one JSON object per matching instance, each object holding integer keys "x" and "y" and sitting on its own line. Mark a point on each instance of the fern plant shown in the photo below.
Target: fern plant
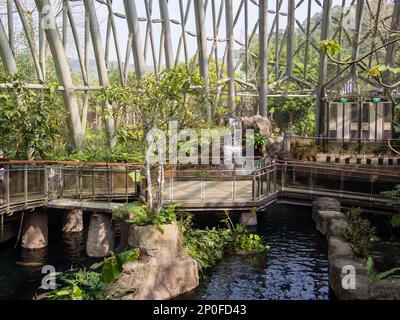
{"x": 374, "y": 277}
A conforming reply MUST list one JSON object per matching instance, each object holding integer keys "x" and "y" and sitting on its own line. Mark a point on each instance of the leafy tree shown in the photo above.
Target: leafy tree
{"x": 32, "y": 120}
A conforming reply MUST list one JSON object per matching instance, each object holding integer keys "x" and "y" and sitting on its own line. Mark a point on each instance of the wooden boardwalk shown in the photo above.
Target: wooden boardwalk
{"x": 200, "y": 190}
{"x": 89, "y": 206}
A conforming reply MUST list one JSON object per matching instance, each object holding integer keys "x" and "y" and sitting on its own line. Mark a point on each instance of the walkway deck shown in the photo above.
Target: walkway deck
{"x": 106, "y": 207}
{"x": 99, "y": 188}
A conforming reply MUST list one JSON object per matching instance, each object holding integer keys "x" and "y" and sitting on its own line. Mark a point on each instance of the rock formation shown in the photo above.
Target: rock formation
{"x": 331, "y": 222}
{"x": 164, "y": 270}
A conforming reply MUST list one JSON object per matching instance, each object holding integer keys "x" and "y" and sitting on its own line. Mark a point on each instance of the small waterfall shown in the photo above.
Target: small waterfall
{"x": 236, "y": 148}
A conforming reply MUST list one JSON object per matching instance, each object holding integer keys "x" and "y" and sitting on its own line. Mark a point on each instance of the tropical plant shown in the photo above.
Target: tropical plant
{"x": 209, "y": 245}
{"x": 358, "y": 232}
{"x": 32, "y": 121}
{"x": 374, "y": 277}
{"x": 89, "y": 284}
{"x": 242, "y": 241}
{"x": 395, "y": 201}
{"x": 142, "y": 215}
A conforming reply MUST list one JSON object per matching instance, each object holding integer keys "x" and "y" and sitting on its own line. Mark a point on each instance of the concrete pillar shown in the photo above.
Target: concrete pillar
{"x": 73, "y": 221}
{"x": 100, "y": 240}
{"x": 249, "y": 219}
{"x": 35, "y": 231}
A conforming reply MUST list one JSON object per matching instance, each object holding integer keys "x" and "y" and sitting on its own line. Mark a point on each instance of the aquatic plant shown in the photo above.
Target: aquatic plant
{"x": 358, "y": 232}
{"x": 242, "y": 241}
{"x": 394, "y": 221}
{"x": 89, "y": 284}
{"x": 208, "y": 246}
{"x": 374, "y": 277}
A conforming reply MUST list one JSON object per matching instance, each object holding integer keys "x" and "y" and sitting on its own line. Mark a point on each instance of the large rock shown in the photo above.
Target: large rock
{"x": 35, "y": 231}
{"x": 324, "y": 218}
{"x": 332, "y": 223}
{"x": 164, "y": 270}
{"x": 100, "y": 240}
{"x": 336, "y": 274}
{"x": 336, "y": 228}
{"x": 261, "y": 125}
{"x": 325, "y": 204}
{"x": 339, "y": 248}
{"x": 149, "y": 280}
{"x": 159, "y": 242}
{"x": 388, "y": 289}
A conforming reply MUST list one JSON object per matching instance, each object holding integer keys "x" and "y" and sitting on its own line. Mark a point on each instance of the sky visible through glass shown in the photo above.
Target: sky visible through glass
{"x": 174, "y": 11}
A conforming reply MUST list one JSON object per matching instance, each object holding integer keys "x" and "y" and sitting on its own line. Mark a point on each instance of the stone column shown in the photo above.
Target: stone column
{"x": 35, "y": 231}
{"x": 72, "y": 221}
{"x": 249, "y": 219}
{"x": 100, "y": 240}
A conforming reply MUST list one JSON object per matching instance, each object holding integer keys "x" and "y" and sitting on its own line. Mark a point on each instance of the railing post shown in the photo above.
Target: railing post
{"x": 136, "y": 183}
{"x": 171, "y": 185}
{"x": 254, "y": 187}
{"x": 268, "y": 182}
{"x": 93, "y": 182}
{"x": 202, "y": 189}
{"x": 77, "y": 182}
{"x": 371, "y": 187}
{"x": 26, "y": 184}
{"x": 61, "y": 170}
{"x": 341, "y": 183}
{"x": 111, "y": 183}
{"x": 126, "y": 184}
{"x": 7, "y": 195}
{"x": 108, "y": 184}
{"x": 234, "y": 186}
{"x": 311, "y": 181}
{"x": 46, "y": 184}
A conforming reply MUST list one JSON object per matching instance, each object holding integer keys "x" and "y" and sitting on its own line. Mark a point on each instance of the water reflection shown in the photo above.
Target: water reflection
{"x": 32, "y": 258}
{"x": 74, "y": 246}
{"x": 295, "y": 268}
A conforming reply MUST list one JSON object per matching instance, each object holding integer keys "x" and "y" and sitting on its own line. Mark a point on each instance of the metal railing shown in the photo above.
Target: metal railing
{"x": 217, "y": 187}
{"x": 34, "y": 184}
{"x": 31, "y": 184}
{"x": 338, "y": 180}
{"x": 303, "y": 148}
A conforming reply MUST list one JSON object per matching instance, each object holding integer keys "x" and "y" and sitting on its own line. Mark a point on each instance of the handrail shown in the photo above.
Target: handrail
{"x": 333, "y": 167}
{"x": 81, "y": 181}
{"x": 71, "y": 163}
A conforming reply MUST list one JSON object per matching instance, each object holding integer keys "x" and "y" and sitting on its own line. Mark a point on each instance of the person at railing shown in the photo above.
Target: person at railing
{"x": 3, "y": 172}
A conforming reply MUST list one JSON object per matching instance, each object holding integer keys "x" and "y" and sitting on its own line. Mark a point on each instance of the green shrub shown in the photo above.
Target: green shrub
{"x": 143, "y": 215}
{"x": 358, "y": 232}
{"x": 375, "y": 277}
{"x": 208, "y": 246}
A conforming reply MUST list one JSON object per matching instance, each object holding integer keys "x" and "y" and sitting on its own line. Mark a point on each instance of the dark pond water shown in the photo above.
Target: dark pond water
{"x": 19, "y": 282}
{"x": 295, "y": 268}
